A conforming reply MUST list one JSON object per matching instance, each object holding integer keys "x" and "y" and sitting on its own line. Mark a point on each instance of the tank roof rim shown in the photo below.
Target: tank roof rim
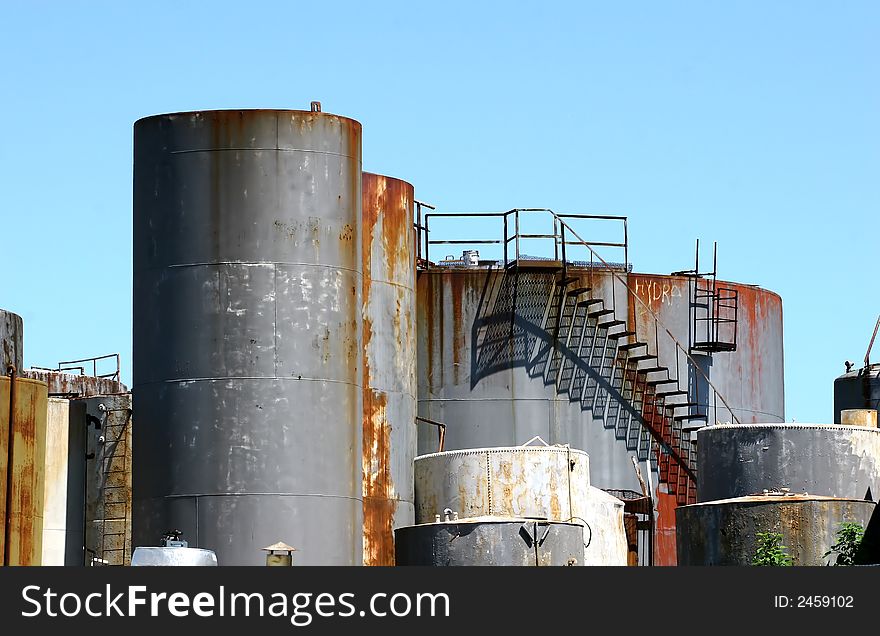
{"x": 774, "y": 498}
{"x": 387, "y": 176}
{"x": 792, "y": 426}
{"x": 251, "y": 111}
{"x": 502, "y": 449}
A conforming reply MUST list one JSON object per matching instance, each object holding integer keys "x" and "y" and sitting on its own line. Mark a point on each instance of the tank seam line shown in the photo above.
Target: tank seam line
{"x": 248, "y": 149}
{"x": 273, "y": 263}
{"x": 249, "y": 377}
{"x": 254, "y": 494}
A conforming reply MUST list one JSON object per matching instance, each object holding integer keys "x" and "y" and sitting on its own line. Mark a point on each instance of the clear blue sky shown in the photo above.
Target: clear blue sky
{"x": 751, "y": 123}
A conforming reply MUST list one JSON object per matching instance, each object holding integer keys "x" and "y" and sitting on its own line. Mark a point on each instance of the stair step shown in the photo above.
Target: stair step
{"x": 668, "y": 393}
{"x": 632, "y": 345}
{"x": 562, "y": 282}
{"x": 680, "y": 405}
{"x": 611, "y": 323}
{"x": 623, "y": 334}
{"x": 658, "y": 382}
{"x": 691, "y": 416}
{"x": 577, "y": 290}
{"x": 600, "y": 312}
{"x": 589, "y": 301}
{"x": 643, "y": 356}
{"x": 690, "y": 427}
{"x": 647, "y": 370}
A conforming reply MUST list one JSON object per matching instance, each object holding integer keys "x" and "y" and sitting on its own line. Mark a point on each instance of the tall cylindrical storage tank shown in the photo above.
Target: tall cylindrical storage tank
{"x": 247, "y": 333}
{"x": 389, "y": 321}
{"x": 11, "y": 340}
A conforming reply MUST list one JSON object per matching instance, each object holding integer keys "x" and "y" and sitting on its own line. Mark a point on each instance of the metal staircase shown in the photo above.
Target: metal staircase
{"x": 594, "y": 356}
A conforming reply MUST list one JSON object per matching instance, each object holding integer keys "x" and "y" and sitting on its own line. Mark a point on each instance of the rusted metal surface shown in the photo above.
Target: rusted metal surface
{"x": 820, "y": 459}
{"x": 247, "y": 333}
{"x": 23, "y": 512}
{"x": 389, "y": 434}
{"x": 549, "y": 482}
{"x": 724, "y": 532}
{"x": 490, "y": 541}
{"x": 11, "y": 340}
{"x": 859, "y": 417}
{"x": 750, "y": 378}
{"x": 75, "y": 385}
{"x": 498, "y": 366}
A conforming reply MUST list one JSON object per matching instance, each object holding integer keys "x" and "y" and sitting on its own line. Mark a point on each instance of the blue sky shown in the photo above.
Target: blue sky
{"x": 751, "y": 123}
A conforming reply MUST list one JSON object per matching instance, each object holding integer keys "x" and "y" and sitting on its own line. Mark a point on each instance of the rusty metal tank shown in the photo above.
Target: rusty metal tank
{"x": 858, "y": 389}
{"x": 491, "y": 541}
{"x": 551, "y": 483}
{"x": 489, "y": 369}
{"x": 11, "y": 340}
{"x": 389, "y": 324}
{"x": 819, "y": 459}
{"x": 22, "y": 481}
{"x": 725, "y": 532}
{"x": 247, "y": 334}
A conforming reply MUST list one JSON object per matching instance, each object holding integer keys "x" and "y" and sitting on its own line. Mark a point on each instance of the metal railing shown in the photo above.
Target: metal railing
{"x": 658, "y": 324}
{"x": 67, "y": 366}
{"x": 514, "y": 254}
{"x": 563, "y": 236}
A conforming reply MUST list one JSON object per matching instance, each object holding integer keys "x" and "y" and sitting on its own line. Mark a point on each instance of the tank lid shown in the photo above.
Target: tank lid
{"x": 505, "y": 449}
{"x": 221, "y": 112}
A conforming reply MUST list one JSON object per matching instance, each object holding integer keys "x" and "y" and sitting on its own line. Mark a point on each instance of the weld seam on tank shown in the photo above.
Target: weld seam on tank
{"x": 314, "y": 152}
{"x": 508, "y": 400}
{"x": 239, "y": 377}
{"x": 256, "y": 494}
{"x": 256, "y": 264}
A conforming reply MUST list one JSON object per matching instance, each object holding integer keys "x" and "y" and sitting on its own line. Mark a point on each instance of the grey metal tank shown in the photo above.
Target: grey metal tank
{"x": 819, "y": 459}
{"x": 725, "y": 532}
{"x": 389, "y": 323}
{"x": 491, "y": 541}
{"x": 11, "y": 341}
{"x": 859, "y": 389}
{"x": 247, "y": 333}
{"x": 552, "y": 483}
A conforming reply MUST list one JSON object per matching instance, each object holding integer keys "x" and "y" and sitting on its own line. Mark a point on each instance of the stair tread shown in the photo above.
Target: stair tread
{"x": 691, "y": 416}
{"x": 665, "y": 381}
{"x": 652, "y": 370}
{"x": 600, "y": 312}
{"x": 622, "y": 334}
{"x": 643, "y": 356}
{"x": 611, "y": 323}
{"x": 562, "y": 282}
{"x": 676, "y": 392}
{"x": 590, "y": 301}
{"x": 577, "y": 290}
{"x": 680, "y": 405}
{"x": 632, "y": 345}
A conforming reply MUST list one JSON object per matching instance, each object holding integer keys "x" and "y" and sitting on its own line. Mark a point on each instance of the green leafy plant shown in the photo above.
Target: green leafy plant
{"x": 849, "y": 538}
{"x": 770, "y": 551}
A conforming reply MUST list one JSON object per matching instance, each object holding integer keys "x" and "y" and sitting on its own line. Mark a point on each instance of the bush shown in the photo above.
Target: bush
{"x": 849, "y": 538}
{"x": 770, "y": 551}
